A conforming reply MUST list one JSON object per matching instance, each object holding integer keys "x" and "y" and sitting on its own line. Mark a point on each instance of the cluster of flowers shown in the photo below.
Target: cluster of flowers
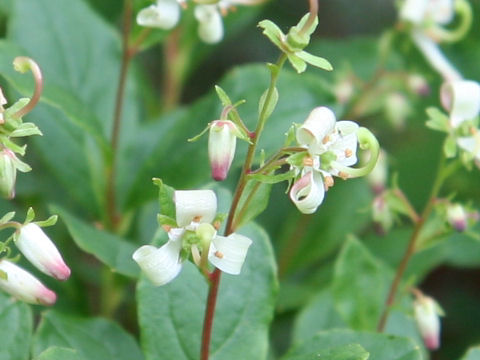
{"x": 165, "y": 14}
{"x": 192, "y": 232}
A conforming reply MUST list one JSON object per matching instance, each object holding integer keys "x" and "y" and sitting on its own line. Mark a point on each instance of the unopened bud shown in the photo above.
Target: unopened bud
{"x": 397, "y": 109}
{"x": 382, "y": 214}
{"x": 418, "y": 85}
{"x": 221, "y": 147}
{"x": 457, "y": 217}
{"x": 428, "y": 321}
{"x": 377, "y": 178}
{"x": 8, "y": 174}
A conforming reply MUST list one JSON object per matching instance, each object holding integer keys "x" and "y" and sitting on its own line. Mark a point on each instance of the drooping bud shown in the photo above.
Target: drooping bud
{"x": 210, "y": 23}
{"x": 377, "y": 179}
{"x": 37, "y": 247}
{"x": 457, "y": 217}
{"x": 418, "y": 85}
{"x": 427, "y": 317}
{"x": 462, "y": 99}
{"x": 163, "y": 15}
{"x": 8, "y": 174}
{"x": 24, "y": 286}
{"x": 221, "y": 147}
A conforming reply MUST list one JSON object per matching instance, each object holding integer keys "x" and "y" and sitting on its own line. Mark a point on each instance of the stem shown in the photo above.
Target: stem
{"x": 442, "y": 173}
{"x": 117, "y": 117}
{"x": 22, "y": 64}
{"x": 311, "y": 17}
{"x": 215, "y": 276}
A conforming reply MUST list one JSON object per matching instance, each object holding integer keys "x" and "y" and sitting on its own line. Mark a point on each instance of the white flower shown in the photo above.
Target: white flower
{"x": 165, "y": 14}
{"x": 428, "y": 321}
{"x": 307, "y": 192}
{"x": 419, "y": 12}
{"x": 210, "y": 23}
{"x": 461, "y": 98}
{"x": 195, "y": 210}
{"x": 41, "y": 252}
{"x": 24, "y": 286}
{"x": 221, "y": 147}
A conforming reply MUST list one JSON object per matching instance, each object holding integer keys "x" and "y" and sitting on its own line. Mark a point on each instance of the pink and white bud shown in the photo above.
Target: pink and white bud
{"x": 222, "y": 142}
{"x": 8, "y": 173}
{"x": 195, "y": 205}
{"x": 229, "y": 253}
{"x": 24, "y": 286}
{"x": 428, "y": 321}
{"x": 418, "y": 85}
{"x": 165, "y": 14}
{"x": 37, "y": 247}
{"x": 210, "y": 23}
{"x": 457, "y": 217}
{"x": 462, "y": 99}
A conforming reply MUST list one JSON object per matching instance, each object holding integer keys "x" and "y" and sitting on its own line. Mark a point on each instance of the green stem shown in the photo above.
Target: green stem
{"x": 442, "y": 174}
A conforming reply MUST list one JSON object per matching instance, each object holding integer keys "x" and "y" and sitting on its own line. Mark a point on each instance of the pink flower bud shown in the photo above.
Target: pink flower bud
{"x": 457, "y": 217}
{"x": 41, "y": 252}
{"x": 221, "y": 147}
{"x": 428, "y": 321}
{"x": 24, "y": 286}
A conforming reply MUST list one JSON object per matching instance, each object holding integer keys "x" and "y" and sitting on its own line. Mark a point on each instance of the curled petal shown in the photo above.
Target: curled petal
{"x": 318, "y": 125}
{"x": 160, "y": 265}
{"x": 195, "y": 205}
{"x": 37, "y": 247}
{"x": 308, "y": 192}
{"x": 221, "y": 147}
{"x": 164, "y": 15}
{"x": 462, "y": 99}
{"x": 440, "y": 11}
{"x": 210, "y": 23}
{"x": 229, "y": 253}
{"x": 24, "y": 286}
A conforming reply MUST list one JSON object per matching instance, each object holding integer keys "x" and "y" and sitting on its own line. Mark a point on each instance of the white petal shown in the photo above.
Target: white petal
{"x": 210, "y": 23}
{"x": 3, "y": 101}
{"x": 471, "y": 145}
{"x": 37, "y": 247}
{"x": 24, "y": 286}
{"x": 198, "y": 205}
{"x": 308, "y": 192}
{"x": 319, "y": 123}
{"x": 413, "y": 11}
{"x": 435, "y": 56}
{"x": 229, "y": 253}
{"x": 160, "y": 265}
{"x": 440, "y": 11}
{"x": 164, "y": 15}
{"x": 462, "y": 99}
{"x": 345, "y": 145}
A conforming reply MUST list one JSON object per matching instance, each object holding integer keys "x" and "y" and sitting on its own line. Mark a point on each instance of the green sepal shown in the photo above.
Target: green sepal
{"x": 198, "y": 136}
{"x": 273, "y": 32}
{"x": 290, "y": 135}
{"x": 271, "y": 105}
{"x": 11, "y": 122}
{"x": 52, "y": 220}
{"x": 20, "y": 165}
{"x": 272, "y": 178}
{"x": 7, "y": 217}
{"x": 316, "y": 61}
{"x": 437, "y": 120}
{"x": 298, "y": 64}
{"x": 166, "y": 220}
{"x": 297, "y": 38}
{"x": 3, "y": 275}
{"x": 165, "y": 198}
{"x": 297, "y": 158}
{"x": 30, "y": 216}
{"x": 222, "y": 95}
{"x": 190, "y": 238}
{"x": 12, "y": 146}
{"x": 450, "y": 147}
{"x": 26, "y": 129}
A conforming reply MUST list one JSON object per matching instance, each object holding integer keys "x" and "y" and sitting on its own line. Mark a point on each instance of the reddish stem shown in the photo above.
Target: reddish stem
{"x": 209, "y": 314}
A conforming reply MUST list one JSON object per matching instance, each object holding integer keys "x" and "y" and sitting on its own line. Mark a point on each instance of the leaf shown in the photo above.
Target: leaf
{"x": 345, "y": 352}
{"x": 272, "y": 104}
{"x": 112, "y": 250}
{"x": 360, "y": 285}
{"x": 93, "y": 339}
{"x": 16, "y": 334}
{"x": 437, "y": 120}
{"x": 380, "y": 346}
{"x": 171, "y": 316}
{"x": 59, "y": 353}
{"x": 298, "y": 64}
{"x": 472, "y": 354}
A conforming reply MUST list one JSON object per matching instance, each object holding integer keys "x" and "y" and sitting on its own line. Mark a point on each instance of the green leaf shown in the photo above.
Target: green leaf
{"x": 16, "y": 334}
{"x": 165, "y": 198}
{"x": 472, "y": 354}
{"x": 271, "y": 105}
{"x": 360, "y": 285}
{"x": 59, "y": 353}
{"x": 222, "y": 95}
{"x": 344, "y": 352}
{"x": 171, "y": 316}
{"x": 379, "y": 346}
{"x": 450, "y": 146}
{"x": 26, "y": 129}
{"x": 93, "y": 339}
{"x": 112, "y": 250}
{"x": 316, "y": 61}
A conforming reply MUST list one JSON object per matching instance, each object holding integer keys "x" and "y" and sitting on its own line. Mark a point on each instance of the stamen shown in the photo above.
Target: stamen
{"x": 217, "y": 225}
{"x": 343, "y": 175}
{"x": 326, "y": 139}
{"x": 348, "y": 153}
{"x": 328, "y": 182}
{"x": 218, "y": 254}
{"x": 167, "y": 228}
{"x": 307, "y": 161}
{"x": 197, "y": 219}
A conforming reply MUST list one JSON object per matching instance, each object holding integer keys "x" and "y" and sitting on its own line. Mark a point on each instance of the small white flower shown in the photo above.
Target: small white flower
{"x": 210, "y": 23}
{"x": 221, "y": 147}
{"x": 41, "y": 252}
{"x": 428, "y": 321}
{"x": 314, "y": 132}
{"x": 24, "y": 286}
{"x": 461, "y": 99}
{"x": 165, "y": 14}
{"x": 229, "y": 253}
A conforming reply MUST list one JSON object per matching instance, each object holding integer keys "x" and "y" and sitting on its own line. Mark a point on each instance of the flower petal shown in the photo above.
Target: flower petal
{"x": 413, "y": 11}
{"x": 164, "y": 15}
{"x": 195, "y": 205}
{"x": 210, "y": 23}
{"x": 345, "y": 146}
{"x": 160, "y": 265}
{"x": 229, "y": 253}
{"x": 440, "y": 11}
{"x": 308, "y": 192}
{"x": 462, "y": 99}
{"x": 313, "y": 133}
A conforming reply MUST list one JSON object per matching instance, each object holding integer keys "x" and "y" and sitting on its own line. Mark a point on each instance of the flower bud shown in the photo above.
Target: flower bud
{"x": 377, "y": 179}
{"x": 24, "y": 286}
{"x": 221, "y": 147}
{"x": 210, "y": 23}
{"x": 462, "y": 99}
{"x": 428, "y": 321}
{"x": 164, "y": 15}
{"x": 382, "y": 213}
{"x": 8, "y": 174}
{"x": 457, "y": 217}
{"x": 41, "y": 252}
{"x": 418, "y": 85}
{"x": 397, "y": 109}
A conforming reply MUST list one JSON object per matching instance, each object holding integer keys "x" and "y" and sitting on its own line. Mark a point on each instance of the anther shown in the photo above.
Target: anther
{"x": 348, "y": 153}
{"x": 326, "y": 139}
{"x": 343, "y": 175}
{"x": 219, "y": 254}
